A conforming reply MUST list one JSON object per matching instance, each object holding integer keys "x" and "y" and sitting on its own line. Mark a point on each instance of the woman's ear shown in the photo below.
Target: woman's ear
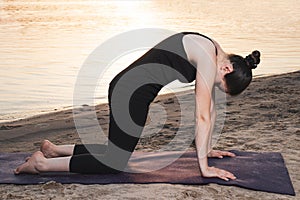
{"x": 227, "y": 68}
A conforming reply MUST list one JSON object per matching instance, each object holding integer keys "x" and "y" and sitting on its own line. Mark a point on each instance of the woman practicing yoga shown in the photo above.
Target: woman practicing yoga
{"x": 186, "y": 57}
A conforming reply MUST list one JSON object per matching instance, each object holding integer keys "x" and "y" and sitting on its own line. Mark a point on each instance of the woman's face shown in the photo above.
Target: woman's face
{"x": 222, "y": 85}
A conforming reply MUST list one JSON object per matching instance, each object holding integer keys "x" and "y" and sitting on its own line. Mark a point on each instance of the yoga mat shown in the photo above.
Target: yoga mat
{"x": 256, "y": 171}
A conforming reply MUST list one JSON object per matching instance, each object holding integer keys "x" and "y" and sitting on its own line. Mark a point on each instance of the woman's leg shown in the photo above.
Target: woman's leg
{"x": 121, "y": 143}
{"x": 120, "y": 147}
{"x": 39, "y": 163}
{"x": 51, "y": 150}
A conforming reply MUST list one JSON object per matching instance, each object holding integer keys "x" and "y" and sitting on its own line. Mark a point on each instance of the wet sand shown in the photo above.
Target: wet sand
{"x": 264, "y": 118}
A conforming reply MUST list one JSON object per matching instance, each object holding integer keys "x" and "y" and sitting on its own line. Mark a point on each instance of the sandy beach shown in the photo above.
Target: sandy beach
{"x": 264, "y": 118}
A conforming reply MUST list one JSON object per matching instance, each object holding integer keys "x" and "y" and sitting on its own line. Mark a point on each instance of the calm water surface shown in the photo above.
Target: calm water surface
{"x": 45, "y": 42}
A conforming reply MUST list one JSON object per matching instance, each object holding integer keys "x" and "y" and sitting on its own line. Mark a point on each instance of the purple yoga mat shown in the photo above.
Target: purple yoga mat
{"x": 256, "y": 171}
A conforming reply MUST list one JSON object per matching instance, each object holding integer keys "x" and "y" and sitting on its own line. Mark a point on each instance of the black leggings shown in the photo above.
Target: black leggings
{"x": 114, "y": 157}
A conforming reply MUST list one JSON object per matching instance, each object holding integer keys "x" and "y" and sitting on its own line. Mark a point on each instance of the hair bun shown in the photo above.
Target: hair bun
{"x": 253, "y": 59}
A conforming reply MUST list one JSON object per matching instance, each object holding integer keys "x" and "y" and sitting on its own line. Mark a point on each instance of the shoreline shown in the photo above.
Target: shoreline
{"x": 58, "y": 109}
{"x": 264, "y": 118}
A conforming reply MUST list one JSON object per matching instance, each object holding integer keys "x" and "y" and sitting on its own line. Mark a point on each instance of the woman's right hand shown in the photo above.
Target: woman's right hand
{"x": 219, "y": 173}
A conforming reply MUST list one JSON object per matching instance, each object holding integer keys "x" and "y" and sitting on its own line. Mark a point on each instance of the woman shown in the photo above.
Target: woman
{"x": 185, "y": 56}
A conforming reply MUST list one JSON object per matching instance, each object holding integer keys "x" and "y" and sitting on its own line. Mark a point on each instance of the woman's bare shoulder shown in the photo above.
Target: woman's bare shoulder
{"x": 198, "y": 47}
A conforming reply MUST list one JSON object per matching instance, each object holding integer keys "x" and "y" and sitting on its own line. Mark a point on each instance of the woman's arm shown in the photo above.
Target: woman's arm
{"x": 202, "y": 52}
{"x": 203, "y": 116}
{"x": 213, "y": 122}
{"x": 215, "y": 153}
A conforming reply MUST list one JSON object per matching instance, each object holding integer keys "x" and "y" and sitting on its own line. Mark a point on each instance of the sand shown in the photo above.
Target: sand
{"x": 264, "y": 118}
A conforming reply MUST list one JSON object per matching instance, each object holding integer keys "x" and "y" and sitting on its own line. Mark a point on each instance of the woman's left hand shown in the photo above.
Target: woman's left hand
{"x": 219, "y": 154}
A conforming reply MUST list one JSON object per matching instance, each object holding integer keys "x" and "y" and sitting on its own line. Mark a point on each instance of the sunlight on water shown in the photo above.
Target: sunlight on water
{"x": 45, "y": 42}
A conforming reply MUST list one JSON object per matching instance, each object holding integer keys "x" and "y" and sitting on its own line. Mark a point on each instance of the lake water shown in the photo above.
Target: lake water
{"x": 45, "y": 42}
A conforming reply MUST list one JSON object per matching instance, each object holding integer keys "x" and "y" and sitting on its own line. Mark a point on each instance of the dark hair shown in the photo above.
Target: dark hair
{"x": 241, "y": 76}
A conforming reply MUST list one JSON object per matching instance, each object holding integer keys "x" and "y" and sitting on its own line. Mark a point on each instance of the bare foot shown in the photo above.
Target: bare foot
{"x": 33, "y": 165}
{"x": 48, "y": 149}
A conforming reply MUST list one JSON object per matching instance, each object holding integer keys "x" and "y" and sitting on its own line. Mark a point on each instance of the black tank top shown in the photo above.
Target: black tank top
{"x": 175, "y": 56}
{"x": 169, "y": 53}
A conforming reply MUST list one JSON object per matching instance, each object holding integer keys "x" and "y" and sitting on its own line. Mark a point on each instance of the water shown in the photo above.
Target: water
{"x": 45, "y": 42}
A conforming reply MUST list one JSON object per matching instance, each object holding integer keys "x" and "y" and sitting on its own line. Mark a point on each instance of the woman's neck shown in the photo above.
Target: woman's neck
{"x": 222, "y": 56}
{"x": 222, "y": 59}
